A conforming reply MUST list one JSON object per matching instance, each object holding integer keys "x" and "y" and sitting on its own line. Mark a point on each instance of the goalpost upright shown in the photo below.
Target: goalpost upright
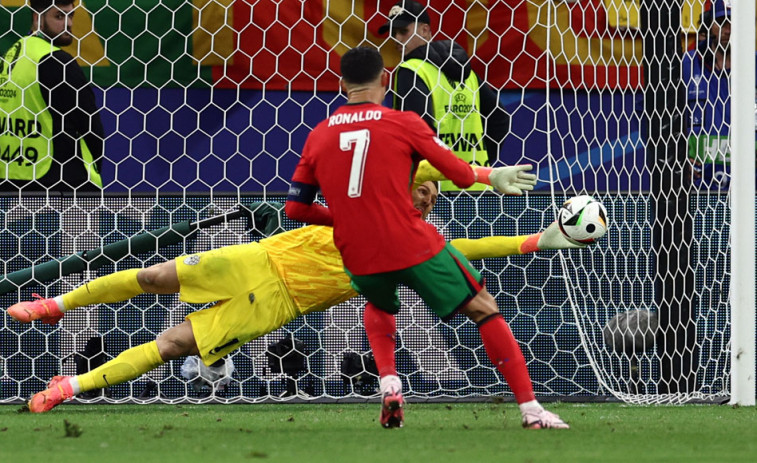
{"x": 742, "y": 204}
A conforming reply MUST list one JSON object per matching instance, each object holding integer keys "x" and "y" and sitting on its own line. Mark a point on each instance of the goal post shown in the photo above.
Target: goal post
{"x": 743, "y": 308}
{"x": 206, "y": 105}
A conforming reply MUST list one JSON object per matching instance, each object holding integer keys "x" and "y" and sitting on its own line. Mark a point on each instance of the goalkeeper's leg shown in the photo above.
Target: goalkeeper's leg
{"x": 505, "y": 354}
{"x": 175, "y": 342}
{"x": 116, "y": 287}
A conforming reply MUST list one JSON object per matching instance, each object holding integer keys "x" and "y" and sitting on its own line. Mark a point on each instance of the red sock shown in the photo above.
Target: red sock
{"x": 505, "y": 354}
{"x": 381, "y": 329}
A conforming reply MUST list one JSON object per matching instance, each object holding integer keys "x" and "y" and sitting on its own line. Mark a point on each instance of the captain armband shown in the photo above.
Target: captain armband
{"x": 302, "y": 192}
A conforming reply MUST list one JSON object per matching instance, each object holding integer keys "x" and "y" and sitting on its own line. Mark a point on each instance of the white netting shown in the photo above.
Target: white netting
{"x": 207, "y": 103}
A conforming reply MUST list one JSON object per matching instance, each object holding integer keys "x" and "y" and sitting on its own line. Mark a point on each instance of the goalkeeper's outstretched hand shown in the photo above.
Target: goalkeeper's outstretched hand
{"x": 513, "y": 180}
{"x": 552, "y": 238}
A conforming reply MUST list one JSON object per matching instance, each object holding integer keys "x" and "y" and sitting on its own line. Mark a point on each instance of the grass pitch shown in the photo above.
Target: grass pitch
{"x": 311, "y": 433}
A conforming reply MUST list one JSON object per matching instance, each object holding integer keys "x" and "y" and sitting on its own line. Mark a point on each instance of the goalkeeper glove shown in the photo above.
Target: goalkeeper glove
{"x": 511, "y": 180}
{"x": 552, "y": 238}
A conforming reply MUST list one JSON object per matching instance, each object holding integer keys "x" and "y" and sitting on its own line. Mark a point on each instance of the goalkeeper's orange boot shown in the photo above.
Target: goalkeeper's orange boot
{"x": 58, "y": 389}
{"x": 543, "y": 420}
{"x": 392, "y": 413}
{"x": 42, "y": 309}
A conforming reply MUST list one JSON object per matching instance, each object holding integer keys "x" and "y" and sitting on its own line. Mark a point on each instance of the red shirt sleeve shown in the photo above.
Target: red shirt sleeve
{"x": 299, "y": 204}
{"x": 430, "y": 147}
{"x": 313, "y": 214}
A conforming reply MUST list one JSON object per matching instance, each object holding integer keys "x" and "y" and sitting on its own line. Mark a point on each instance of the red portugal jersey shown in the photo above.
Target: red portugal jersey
{"x": 363, "y": 158}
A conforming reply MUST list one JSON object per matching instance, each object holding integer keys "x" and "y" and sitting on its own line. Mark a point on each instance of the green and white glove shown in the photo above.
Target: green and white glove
{"x": 512, "y": 180}
{"x": 552, "y": 238}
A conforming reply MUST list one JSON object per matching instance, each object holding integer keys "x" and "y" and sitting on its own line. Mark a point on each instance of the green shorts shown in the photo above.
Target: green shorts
{"x": 446, "y": 282}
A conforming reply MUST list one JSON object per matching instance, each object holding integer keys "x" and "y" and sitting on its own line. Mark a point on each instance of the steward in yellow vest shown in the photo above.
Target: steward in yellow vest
{"x": 51, "y": 136}
{"x": 454, "y": 114}
{"x": 435, "y": 80}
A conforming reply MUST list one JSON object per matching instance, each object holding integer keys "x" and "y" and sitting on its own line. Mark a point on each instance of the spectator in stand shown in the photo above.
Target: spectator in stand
{"x": 51, "y": 136}
{"x": 435, "y": 80}
{"x": 705, "y": 72}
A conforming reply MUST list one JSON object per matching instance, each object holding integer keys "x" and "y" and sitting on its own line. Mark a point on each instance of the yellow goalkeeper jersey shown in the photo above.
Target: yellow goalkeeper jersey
{"x": 312, "y": 270}
{"x": 310, "y": 267}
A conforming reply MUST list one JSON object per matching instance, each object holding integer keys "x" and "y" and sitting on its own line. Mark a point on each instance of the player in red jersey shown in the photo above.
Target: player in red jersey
{"x": 370, "y": 187}
{"x": 363, "y": 159}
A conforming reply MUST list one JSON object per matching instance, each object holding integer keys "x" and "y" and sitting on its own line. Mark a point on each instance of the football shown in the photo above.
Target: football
{"x": 582, "y": 219}
{"x": 631, "y": 332}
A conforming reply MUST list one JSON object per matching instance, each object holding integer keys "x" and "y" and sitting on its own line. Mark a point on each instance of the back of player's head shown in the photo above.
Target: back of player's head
{"x": 361, "y": 65}
{"x": 40, "y": 6}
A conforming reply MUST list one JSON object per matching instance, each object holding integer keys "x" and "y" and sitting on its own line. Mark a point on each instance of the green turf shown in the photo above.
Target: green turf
{"x": 311, "y": 433}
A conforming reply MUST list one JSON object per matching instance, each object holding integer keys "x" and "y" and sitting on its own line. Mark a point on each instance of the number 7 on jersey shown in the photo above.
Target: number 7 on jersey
{"x": 357, "y": 141}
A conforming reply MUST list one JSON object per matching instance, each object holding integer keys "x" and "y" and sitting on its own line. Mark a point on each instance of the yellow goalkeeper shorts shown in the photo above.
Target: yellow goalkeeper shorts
{"x": 252, "y": 299}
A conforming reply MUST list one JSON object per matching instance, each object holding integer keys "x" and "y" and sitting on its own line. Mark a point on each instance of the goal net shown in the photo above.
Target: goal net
{"x": 206, "y": 104}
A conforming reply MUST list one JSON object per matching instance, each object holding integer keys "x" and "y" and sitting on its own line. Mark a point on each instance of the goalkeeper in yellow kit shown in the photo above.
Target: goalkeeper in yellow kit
{"x": 261, "y": 286}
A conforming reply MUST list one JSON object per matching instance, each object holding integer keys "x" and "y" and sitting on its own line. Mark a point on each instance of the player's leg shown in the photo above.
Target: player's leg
{"x": 175, "y": 342}
{"x": 380, "y": 328}
{"x": 501, "y": 346}
{"x": 211, "y": 333}
{"x": 503, "y": 351}
{"x": 120, "y": 286}
{"x": 449, "y": 284}
{"x": 260, "y": 307}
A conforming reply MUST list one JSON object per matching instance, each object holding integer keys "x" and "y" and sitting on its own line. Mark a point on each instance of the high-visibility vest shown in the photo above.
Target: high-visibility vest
{"x": 456, "y": 115}
{"x": 26, "y": 125}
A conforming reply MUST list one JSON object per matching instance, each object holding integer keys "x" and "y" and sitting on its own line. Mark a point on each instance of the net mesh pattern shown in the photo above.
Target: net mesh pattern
{"x": 207, "y": 103}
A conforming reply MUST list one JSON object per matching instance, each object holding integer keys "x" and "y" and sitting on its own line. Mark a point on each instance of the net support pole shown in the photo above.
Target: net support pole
{"x": 742, "y": 203}
{"x": 672, "y": 224}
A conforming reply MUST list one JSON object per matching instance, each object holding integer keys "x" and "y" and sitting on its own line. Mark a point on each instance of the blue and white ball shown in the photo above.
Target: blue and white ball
{"x": 582, "y": 219}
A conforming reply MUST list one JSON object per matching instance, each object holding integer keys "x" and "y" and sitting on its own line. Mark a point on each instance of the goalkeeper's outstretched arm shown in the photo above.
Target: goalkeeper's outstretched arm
{"x": 503, "y": 246}
{"x": 494, "y": 246}
{"x": 509, "y": 180}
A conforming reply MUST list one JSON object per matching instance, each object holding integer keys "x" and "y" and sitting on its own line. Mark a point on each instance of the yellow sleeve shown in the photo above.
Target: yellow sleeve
{"x": 428, "y": 173}
{"x": 492, "y": 246}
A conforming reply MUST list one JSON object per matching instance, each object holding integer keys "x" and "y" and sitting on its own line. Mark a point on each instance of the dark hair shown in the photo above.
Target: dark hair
{"x": 361, "y": 65}
{"x": 41, "y": 5}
